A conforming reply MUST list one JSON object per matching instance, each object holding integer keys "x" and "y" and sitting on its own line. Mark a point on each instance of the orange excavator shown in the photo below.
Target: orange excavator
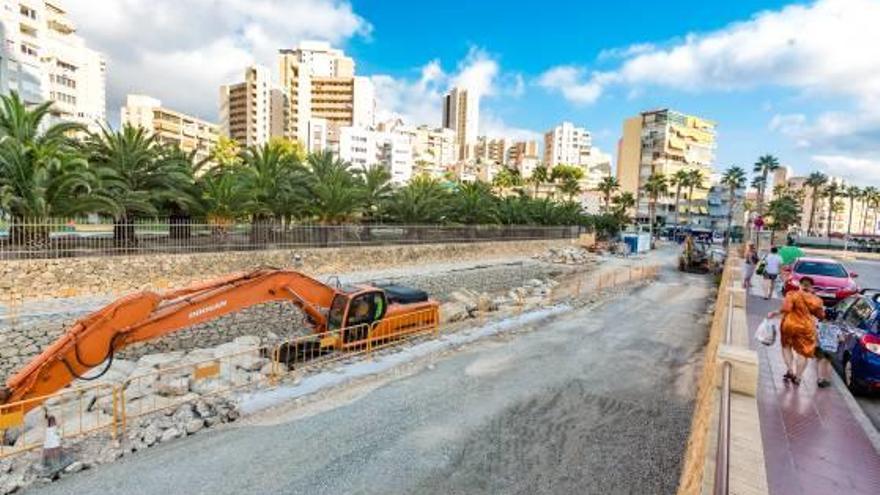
{"x": 340, "y": 316}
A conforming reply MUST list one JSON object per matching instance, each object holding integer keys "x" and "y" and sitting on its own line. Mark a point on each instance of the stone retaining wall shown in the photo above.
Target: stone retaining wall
{"x": 38, "y": 279}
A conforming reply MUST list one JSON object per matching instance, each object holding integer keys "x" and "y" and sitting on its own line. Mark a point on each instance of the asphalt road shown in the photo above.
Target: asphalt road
{"x": 593, "y": 401}
{"x": 869, "y": 278}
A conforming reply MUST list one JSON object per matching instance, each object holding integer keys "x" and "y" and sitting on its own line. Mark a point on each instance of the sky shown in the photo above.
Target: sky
{"x": 799, "y": 80}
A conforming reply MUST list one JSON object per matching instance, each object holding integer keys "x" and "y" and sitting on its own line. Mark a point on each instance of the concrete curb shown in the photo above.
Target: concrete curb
{"x": 856, "y": 410}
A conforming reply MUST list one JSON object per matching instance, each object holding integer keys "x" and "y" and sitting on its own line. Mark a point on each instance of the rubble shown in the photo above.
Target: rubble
{"x": 568, "y": 256}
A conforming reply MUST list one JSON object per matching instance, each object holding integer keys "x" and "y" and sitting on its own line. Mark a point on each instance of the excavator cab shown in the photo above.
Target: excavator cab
{"x": 356, "y": 307}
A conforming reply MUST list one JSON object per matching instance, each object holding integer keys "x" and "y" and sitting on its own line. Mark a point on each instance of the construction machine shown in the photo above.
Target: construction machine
{"x": 340, "y": 316}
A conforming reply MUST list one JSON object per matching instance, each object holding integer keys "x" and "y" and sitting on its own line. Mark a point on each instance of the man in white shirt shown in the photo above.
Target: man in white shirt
{"x": 772, "y": 268}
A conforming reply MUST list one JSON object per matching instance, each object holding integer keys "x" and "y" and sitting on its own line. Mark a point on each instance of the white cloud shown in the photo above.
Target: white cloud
{"x": 859, "y": 170}
{"x": 823, "y": 49}
{"x": 182, "y": 51}
{"x": 419, "y": 101}
{"x": 569, "y": 80}
{"x": 493, "y": 126}
{"x": 627, "y": 51}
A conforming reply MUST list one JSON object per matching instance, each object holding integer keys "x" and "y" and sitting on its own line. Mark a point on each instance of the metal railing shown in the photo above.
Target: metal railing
{"x": 81, "y": 238}
{"x": 722, "y": 452}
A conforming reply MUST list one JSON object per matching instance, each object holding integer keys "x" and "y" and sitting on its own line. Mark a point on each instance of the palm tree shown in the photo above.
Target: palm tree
{"x": 832, "y": 192}
{"x": 622, "y": 204}
{"x": 422, "y": 201}
{"x": 273, "y": 184}
{"x": 608, "y": 186}
{"x": 695, "y": 179}
{"x": 473, "y": 204}
{"x": 816, "y": 182}
{"x": 763, "y": 167}
{"x": 655, "y": 187}
{"x": 376, "y": 190}
{"x": 539, "y": 176}
{"x": 138, "y": 176}
{"x": 335, "y": 196}
{"x": 679, "y": 180}
{"x": 42, "y": 174}
{"x": 507, "y": 178}
{"x": 868, "y": 194}
{"x": 853, "y": 193}
{"x": 734, "y": 179}
{"x": 570, "y": 187}
{"x": 784, "y": 212}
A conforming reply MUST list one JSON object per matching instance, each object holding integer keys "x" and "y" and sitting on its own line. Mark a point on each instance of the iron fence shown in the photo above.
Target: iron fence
{"x": 82, "y": 238}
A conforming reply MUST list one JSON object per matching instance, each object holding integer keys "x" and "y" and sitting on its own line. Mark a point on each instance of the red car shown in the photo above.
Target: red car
{"x": 832, "y": 281}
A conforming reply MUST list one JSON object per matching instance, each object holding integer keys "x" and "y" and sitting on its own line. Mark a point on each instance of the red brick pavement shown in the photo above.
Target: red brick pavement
{"x": 812, "y": 442}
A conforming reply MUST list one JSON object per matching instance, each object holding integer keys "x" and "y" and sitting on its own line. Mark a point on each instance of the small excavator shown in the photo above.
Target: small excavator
{"x": 340, "y": 317}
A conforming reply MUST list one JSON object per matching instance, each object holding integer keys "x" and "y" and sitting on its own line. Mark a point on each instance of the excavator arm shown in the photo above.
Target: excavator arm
{"x": 94, "y": 339}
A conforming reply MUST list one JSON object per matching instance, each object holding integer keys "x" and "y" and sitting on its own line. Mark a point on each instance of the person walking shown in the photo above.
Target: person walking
{"x": 772, "y": 268}
{"x": 751, "y": 262}
{"x": 797, "y": 331}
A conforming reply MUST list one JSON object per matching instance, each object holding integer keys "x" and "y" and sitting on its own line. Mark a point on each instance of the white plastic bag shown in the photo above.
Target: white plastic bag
{"x": 766, "y": 332}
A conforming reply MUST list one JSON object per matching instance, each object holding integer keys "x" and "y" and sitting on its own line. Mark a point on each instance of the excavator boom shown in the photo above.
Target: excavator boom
{"x": 94, "y": 339}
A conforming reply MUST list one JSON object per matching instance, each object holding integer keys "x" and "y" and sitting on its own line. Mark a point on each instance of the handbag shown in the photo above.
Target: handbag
{"x": 762, "y": 267}
{"x": 766, "y": 332}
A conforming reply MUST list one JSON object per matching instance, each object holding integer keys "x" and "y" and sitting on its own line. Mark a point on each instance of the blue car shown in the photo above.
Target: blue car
{"x": 858, "y": 354}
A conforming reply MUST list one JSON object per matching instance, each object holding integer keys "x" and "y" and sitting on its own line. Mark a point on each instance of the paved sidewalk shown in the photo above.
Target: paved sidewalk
{"x": 813, "y": 443}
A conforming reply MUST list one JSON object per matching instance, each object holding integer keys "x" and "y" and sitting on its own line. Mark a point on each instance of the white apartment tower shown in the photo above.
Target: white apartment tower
{"x": 461, "y": 113}
{"x": 320, "y": 84}
{"x": 566, "y": 144}
{"x": 246, "y": 107}
{"x": 43, "y": 59}
{"x": 364, "y": 148}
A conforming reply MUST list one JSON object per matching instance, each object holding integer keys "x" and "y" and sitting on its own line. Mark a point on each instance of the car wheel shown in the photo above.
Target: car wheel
{"x": 849, "y": 379}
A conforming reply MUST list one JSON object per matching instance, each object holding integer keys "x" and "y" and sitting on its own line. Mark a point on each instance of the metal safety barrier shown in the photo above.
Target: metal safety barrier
{"x": 77, "y": 412}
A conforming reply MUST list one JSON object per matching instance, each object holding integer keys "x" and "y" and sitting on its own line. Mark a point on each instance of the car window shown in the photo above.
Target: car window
{"x": 821, "y": 269}
{"x": 859, "y": 314}
{"x": 841, "y": 308}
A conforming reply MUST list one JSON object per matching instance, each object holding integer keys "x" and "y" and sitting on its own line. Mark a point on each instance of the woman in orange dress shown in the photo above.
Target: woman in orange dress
{"x": 800, "y": 309}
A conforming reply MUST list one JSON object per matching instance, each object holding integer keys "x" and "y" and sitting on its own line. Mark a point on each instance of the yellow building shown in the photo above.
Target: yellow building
{"x": 170, "y": 126}
{"x": 320, "y": 85}
{"x": 664, "y": 141}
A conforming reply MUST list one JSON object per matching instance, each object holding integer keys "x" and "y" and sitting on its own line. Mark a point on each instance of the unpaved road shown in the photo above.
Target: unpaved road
{"x": 594, "y": 401}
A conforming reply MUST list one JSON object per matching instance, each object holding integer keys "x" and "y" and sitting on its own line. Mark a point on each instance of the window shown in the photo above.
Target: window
{"x": 337, "y": 312}
{"x": 859, "y": 314}
{"x": 823, "y": 269}
{"x": 28, "y": 12}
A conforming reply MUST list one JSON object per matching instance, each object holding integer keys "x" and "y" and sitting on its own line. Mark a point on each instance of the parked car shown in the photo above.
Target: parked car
{"x": 857, "y": 359}
{"x": 831, "y": 280}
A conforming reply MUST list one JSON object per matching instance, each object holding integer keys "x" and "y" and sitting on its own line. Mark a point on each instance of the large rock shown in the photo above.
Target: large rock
{"x": 453, "y": 311}
{"x": 170, "y": 434}
{"x": 172, "y": 387}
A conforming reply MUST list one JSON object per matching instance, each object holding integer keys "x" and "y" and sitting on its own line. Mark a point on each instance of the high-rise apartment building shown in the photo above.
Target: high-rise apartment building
{"x": 664, "y": 141}
{"x": 523, "y": 156}
{"x": 170, "y": 127}
{"x": 433, "y": 149}
{"x": 491, "y": 151}
{"x": 246, "y": 107}
{"x": 43, "y": 59}
{"x": 365, "y": 148}
{"x": 319, "y": 83}
{"x": 566, "y": 144}
{"x": 278, "y": 113}
{"x": 461, "y": 113}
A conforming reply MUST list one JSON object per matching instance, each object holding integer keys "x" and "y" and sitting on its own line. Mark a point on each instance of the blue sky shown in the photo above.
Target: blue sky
{"x": 796, "y": 79}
